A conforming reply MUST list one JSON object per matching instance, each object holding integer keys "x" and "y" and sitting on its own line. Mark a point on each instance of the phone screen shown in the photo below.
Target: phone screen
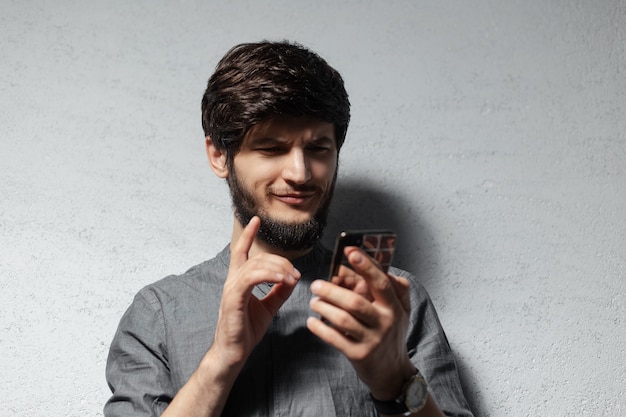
{"x": 378, "y": 244}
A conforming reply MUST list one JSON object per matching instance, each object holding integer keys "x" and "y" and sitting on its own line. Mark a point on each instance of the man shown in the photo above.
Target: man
{"x": 257, "y": 331}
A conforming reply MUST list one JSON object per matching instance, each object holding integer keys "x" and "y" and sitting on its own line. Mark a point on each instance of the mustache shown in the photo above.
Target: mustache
{"x": 305, "y": 188}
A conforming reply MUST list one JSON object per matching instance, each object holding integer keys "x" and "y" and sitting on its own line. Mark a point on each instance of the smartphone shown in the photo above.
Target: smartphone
{"x": 378, "y": 244}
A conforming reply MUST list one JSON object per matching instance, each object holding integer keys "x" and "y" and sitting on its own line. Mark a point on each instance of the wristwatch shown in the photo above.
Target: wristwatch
{"x": 411, "y": 400}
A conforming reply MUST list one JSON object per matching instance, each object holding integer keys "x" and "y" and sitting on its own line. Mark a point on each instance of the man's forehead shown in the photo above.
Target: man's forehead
{"x": 284, "y": 126}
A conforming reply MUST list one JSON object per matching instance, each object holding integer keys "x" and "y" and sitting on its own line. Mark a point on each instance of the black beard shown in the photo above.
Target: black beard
{"x": 278, "y": 234}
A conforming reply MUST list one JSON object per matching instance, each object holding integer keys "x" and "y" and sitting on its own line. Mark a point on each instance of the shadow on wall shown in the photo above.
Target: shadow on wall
{"x": 359, "y": 205}
{"x": 362, "y": 206}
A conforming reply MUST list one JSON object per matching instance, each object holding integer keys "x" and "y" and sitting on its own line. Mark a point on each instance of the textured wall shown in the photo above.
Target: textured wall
{"x": 489, "y": 134}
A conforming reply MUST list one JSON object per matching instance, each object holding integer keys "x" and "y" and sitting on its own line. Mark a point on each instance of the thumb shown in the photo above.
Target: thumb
{"x": 277, "y": 297}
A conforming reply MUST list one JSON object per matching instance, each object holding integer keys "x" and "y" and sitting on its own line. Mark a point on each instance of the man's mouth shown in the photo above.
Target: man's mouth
{"x": 295, "y": 199}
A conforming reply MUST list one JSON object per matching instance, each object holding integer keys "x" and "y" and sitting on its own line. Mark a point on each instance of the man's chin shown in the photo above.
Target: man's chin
{"x": 291, "y": 235}
{"x": 291, "y": 221}
{"x": 290, "y": 215}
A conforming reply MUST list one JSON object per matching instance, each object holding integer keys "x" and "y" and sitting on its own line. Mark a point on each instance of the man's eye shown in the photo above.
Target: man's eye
{"x": 319, "y": 148}
{"x": 270, "y": 149}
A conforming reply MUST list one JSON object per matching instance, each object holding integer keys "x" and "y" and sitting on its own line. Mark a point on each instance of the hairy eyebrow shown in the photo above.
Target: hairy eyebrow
{"x": 265, "y": 140}
{"x": 322, "y": 140}
{"x": 274, "y": 140}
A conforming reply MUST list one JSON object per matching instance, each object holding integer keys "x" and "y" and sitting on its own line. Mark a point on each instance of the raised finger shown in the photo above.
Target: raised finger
{"x": 239, "y": 251}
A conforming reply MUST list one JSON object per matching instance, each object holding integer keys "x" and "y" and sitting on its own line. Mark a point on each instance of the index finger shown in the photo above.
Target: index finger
{"x": 348, "y": 278}
{"x": 380, "y": 285}
{"x": 239, "y": 251}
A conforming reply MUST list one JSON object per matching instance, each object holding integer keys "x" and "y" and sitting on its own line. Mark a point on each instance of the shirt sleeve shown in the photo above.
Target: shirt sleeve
{"x": 137, "y": 368}
{"x": 431, "y": 354}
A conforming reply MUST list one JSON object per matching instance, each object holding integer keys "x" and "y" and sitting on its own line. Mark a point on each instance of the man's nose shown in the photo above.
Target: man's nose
{"x": 296, "y": 167}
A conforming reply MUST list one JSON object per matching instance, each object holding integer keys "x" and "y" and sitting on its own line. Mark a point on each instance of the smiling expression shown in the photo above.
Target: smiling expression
{"x": 285, "y": 173}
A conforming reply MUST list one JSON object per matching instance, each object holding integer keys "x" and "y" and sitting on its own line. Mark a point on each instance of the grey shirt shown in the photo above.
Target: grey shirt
{"x": 170, "y": 326}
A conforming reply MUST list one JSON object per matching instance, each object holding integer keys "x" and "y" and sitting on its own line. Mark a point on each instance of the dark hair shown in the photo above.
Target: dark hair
{"x": 254, "y": 82}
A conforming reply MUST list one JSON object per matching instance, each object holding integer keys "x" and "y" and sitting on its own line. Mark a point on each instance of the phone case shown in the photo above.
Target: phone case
{"x": 378, "y": 244}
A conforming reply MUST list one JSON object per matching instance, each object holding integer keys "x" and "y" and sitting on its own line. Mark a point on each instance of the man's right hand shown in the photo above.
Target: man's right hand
{"x": 242, "y": 322}
{"x": 243, "y": 318}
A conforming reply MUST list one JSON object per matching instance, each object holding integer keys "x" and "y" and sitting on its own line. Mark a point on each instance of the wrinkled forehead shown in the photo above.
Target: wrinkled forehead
{"x": 289, "y": 128}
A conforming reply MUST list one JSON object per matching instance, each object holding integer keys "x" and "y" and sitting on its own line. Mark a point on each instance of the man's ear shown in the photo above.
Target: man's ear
{"x": 217, "y": 159}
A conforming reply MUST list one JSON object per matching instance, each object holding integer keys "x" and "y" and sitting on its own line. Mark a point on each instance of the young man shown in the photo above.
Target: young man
{"x": 257, "y": 330}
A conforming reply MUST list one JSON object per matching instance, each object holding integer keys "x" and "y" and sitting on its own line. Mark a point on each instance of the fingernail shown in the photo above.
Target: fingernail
{"x": 296, "y": 273}
{"x": 315, "y": 286}
{"x": 357, "y": 258}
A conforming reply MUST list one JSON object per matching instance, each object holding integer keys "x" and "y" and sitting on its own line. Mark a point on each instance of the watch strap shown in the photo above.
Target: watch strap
{"x": 399, "y": 405}
{"x": 391, "y": 407}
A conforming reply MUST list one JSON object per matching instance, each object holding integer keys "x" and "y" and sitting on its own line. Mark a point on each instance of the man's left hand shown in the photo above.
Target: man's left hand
{"x": 367, "y": 321}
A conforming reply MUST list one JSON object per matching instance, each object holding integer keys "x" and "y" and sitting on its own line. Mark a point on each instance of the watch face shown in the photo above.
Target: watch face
{"x": 416, "y": 393}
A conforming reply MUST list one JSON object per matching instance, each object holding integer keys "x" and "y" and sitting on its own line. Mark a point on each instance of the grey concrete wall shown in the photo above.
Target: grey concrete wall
{"x": 490, "y": 134}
